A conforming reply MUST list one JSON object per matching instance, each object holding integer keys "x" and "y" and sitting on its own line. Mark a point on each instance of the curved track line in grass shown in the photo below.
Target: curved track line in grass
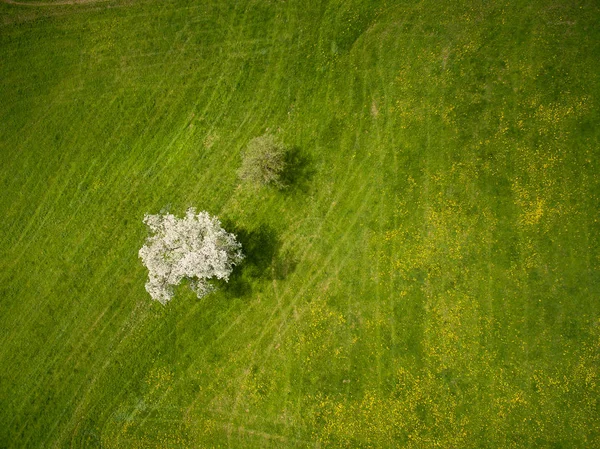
{"x": 285, "y": 311}
{"x": 240, "y": 429}
{"x": 168, "y": 156}
{"x": 206, "y": 108}
{"x": 296, "y": 297}
{"x": 41, "y": 366}
{"x": 196, "y": 103}
{"x": 265, "y": 108}
{"x": 82, "y": 400}
{"x": 283, "y": 326}
{"x": 282, "y": 323}
{"x": 156, "y": 118}
{"x": 305, "y": 252}
{"x": 35, "y": 311}
{"x": 379, "y": 134}
{"x": 389, "y": 126}
{"x": 38, "y": 220}
{"x": 59, "y": 3}
{"x": 49, "y": 194}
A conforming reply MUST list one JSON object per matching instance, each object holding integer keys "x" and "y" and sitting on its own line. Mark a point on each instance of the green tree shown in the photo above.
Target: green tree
{"x": 263, "y": 161}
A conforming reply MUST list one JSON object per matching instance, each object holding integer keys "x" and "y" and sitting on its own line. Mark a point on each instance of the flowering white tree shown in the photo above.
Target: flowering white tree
{"x": 195, "y": 247}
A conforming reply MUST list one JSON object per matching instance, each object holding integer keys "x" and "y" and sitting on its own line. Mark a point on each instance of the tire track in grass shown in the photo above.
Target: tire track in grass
{"x": 285, "y": 313}
{"x": 31, "y": 312}
{"x": 47, "y": 349}
{"x": 250, "y": 113}
{"x": 374, "y": 245}
{"x": 385, "y": 135}
{"x": 69, "y": 177}
{"x": 107, "y": 162}
{"x": 368, "y": 275}
{"x": 92, "y": 112}
{"x": 283, "y": 325}
{"x": 87, "y": 386}
{"x": 167, "y": 156}
{"x": 151, "y": 126}
{"x": 374, "y": 269}
{"x": 48, "y": 194}
{"x": 230, "y": 428}
{"x": 111, "y": 303}
{"x": 383, "y": 197}
{"x": 56, "y": 3}
{"x": 28, "y": 130}
{"x": 83, "y": 401}
{"x": 393, "y": 247}
{"x": 48, "y": 356}
{"x": 31, "y": 134}
{"x": 33, "y": 307}
{"x": 208, "y": 104}
{"x": 171, "y": 158}
{"x": 342, "y": 263}
{"x": 307, "y": 250}
{"x": 241, "y": 316}
{"x": 216, "y": 89}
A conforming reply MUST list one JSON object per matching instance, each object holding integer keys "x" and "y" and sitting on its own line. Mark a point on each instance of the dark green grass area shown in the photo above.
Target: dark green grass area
{"x": 430, "y": 278}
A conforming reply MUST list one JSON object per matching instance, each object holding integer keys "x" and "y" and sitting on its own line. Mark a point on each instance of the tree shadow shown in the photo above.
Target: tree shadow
{"x": 236, "y": 287}
{"x": 298, "y": 171}
{"x": 283, "y": 265}
{"x": 260, "y": 246}
{"x": 263, "y": 260}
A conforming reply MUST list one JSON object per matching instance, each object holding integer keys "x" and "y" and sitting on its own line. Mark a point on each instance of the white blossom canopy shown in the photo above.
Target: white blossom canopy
{"x": 195, "y": 247}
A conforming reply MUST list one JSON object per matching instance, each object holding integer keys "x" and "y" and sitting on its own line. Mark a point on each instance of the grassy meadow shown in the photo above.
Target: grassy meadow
{"x": 430, "y": 277}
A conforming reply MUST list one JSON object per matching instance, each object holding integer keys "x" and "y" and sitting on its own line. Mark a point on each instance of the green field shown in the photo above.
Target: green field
{"x": 430, "y": 277}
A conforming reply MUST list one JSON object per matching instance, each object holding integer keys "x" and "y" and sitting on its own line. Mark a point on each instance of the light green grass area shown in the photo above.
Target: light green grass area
{"x": 431, "y": 277}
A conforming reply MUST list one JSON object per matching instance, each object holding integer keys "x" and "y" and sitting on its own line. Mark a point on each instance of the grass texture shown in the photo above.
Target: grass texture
{"x": 430, "y": 277}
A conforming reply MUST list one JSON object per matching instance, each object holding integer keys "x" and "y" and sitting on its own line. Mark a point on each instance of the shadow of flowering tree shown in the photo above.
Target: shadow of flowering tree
{"x": 263, "y": 261}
